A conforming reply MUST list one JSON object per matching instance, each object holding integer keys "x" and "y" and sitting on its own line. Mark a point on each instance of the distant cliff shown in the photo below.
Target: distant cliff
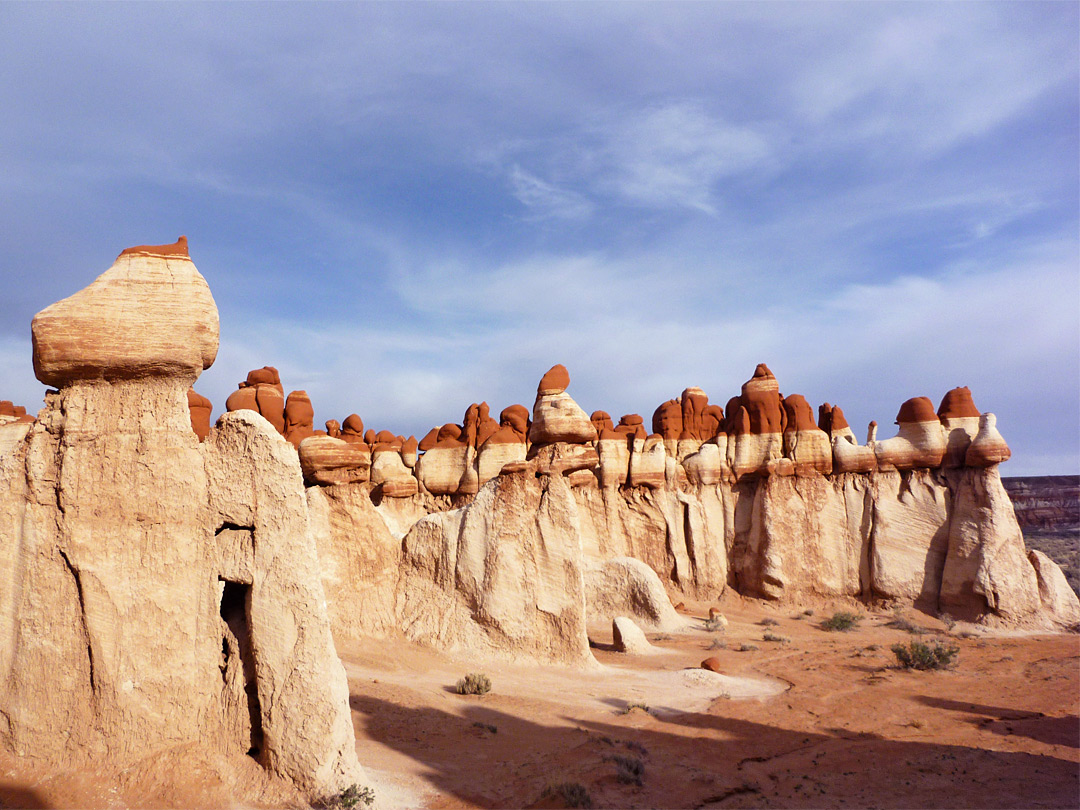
{"x": 1046, "y": 502}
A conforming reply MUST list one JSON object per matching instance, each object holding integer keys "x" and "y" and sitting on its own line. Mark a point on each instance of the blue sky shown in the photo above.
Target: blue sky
{"x": 411, "y": 207}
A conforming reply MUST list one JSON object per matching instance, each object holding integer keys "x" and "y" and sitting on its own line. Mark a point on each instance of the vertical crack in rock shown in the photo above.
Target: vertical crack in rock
{"x": 82, "y": 615}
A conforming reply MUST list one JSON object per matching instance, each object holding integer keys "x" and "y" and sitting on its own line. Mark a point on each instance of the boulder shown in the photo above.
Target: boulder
{"x": 712, "y": 664}
{"x": 150, "y": 314}
{"x": 325, "y": 460}
{"x": 628, "y": 638}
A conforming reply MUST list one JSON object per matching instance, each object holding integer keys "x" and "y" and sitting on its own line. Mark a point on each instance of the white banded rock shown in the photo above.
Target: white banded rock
{"x": 150, "y": 314}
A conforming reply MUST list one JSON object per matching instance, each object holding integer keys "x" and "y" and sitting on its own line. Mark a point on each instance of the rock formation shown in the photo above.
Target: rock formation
{"x": 195, "y": 584}
{"x": 185, "y": 605}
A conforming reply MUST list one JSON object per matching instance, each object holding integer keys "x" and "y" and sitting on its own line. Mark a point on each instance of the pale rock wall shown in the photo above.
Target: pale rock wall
{"x": 909, "y": 536}
{"x": 503, "y": 575}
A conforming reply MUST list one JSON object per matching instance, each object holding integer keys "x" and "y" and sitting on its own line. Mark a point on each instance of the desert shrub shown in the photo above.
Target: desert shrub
{"x": 948, "y": 621}
{"x": 747, "y": 648}
{"x": 715, "y": 625}
{"x": 629, "y": 770}
{"x": 352, "y": 796}
{"x": 767, "y": 622}
{"x": 717, "y": 644}
{"x": 573, "y": 794}
{"x": 769, "y": 635}
{"x": 916, "y": 655}
{"x": 475, "y": 683}
{"x": 808, "y": 612}
{"x": 487, "y": 727}
{"x": 637, "y": 704}
{"x": 636, "y": 747}
{"x": 661, "y": 637}
{"x": 841, "y": 621}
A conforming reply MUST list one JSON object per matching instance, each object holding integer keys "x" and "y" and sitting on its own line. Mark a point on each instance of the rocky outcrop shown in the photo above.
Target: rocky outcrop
{"x": 556, "y": 417}
{"x": 185, "y": 607}
{"x": 624, "y": 586}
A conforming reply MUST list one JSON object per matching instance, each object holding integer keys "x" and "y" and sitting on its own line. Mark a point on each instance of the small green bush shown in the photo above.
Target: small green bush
{"x": 573, "y": 794}
{"x": 717, "y": 644}
{"x": 841, "y": 621}
{"x": 715, "y": 625}
{"x": 475, "y": 683}
{"x": 916, "y": 655}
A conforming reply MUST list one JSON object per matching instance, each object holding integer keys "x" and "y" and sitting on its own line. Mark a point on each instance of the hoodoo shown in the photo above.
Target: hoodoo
{"x": 157, "y": 594}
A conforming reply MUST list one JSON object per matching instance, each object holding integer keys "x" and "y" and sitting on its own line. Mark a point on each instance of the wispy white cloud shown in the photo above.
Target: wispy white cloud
{"x": 545, "y": 201}
{"x": 673, "y": 155}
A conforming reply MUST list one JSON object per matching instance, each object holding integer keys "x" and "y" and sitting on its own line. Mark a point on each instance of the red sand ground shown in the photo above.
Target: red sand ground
{"x": 843, "y": 726}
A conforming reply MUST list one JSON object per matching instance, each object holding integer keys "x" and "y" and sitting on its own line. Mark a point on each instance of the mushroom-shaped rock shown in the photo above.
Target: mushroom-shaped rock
{"x": 556, "y": 417}
{"x": 601, "y": 420}
{"x": 808, "y": 447}
{"x": 200, "y": 409}
{"x": 387, "y": 464}
{"x": 299, "y": 417}
{"x": 441, "y": 468}
{"x": 988, "y": 447}
{"x": 920, "y": 443}
{"x": 627, "y": 637}
{"x": 960, "y": 418}
{"x": 757, "y": 427}
{"x": 352, "y": 429}
{"x": 149, "y": 315}
{"x": 267, "y": 375}
{"x": 633, "y": 425}
{"x": 668, "y": 424}
{"x": 505, "y": 445}
{"x": 333, "y": 428}
{"x": 326, "y": 460}
{"x": 555, "y": 381}
{"x": 409, "y": 449}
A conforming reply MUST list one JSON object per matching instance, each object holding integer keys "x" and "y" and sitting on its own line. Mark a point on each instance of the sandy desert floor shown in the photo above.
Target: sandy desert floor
{"x": 824, "y": 719}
